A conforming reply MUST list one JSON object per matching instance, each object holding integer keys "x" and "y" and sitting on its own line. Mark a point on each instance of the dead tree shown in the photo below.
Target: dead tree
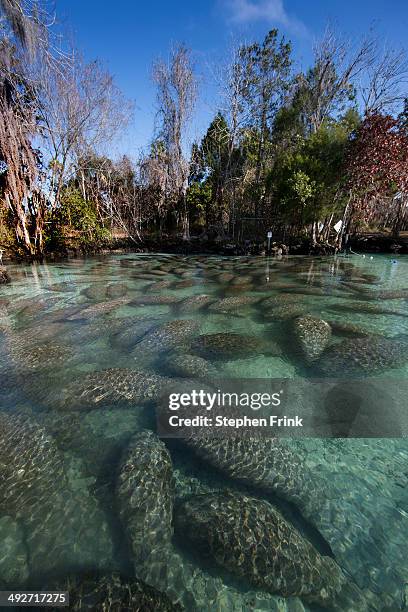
{"x": 176, "y": 95}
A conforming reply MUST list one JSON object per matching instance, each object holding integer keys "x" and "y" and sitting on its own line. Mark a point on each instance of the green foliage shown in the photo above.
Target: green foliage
{"x": 266, "y": 68}
{"x": 199, "y": 198}
{"x": 78, "y": 216}
{"x": 7, "y": 235}
{"x": 301, "y": 187}
{"x": 212, "y": 168}
{"x": 306, "y": 180}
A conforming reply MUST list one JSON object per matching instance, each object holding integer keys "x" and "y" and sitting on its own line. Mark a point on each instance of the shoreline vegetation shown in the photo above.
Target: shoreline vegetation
{"x": 318, "y": 158}
{"x": 361, "y": 243}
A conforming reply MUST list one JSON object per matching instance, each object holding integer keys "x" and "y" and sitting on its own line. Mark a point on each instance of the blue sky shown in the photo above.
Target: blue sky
{"x": 127, "y": 35}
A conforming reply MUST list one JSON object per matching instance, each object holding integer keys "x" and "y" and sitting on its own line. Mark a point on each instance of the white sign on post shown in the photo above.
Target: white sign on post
{"x": 338, "y": 226}
{"x": 269, "y": 236}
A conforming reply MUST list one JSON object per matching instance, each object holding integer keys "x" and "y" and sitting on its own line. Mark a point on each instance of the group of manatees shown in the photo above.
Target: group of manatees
{"x": 245, "y": 536}
{"x": 161, "y": 318}
{"x": 152, "y": 330}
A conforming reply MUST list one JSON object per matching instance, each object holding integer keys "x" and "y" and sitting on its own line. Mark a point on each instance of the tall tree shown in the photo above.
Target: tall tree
{"x": 176, "y": 95}
{"x": 25, "y": 37}
{"x": 329, "y": 86}
{"x": 266, "y": 76}
{"x": 214, "y": 160}
{"x": 80, "y": 109}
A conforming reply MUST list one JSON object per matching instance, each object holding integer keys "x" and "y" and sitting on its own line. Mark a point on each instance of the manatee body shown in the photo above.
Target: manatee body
{"x": 14, "y": 555}
{"x": 28, "y": 307}
{"x": 36, "y": 492}
{"x": 160, "y": 272}
{"x": 96, "y": 292}
{"x": 312, "y": 335}
{"x": 284, "y": 312}
{"x": 268, "y": 463}
{"x": 251, "y": 539}
{"x": 367, "y": 308}
{"x": 113, "y": 385}
{"x": 229, "y": 345}
{"x": 307, "y": 290}
{"x": 145, "y": 493}
{"x": 183, "y": 284}
{"x": 29, "y": 463}
{"x": 63, "y": 287}
{"x": 112, "y": 593}
{"x": 224, "y": 277}
{"x": 232, "y": 304}
{"x": 188, "y": 366}
{"x": 116, "y": 290}
{"x": 40, "y": 356}
{"x": 158, "y": 285}
{"x": 363, "y": 356}
{"x": 277, "y": 300}
{"x": 90, "y": 312}
{"x": 173, "y": 334}
{"x": 194, "y": 303}
{"x": 345, "y": 328}
{"x": 154, "y": 300}
{"x": 132, "y": 332}
{"x": 396, "y": 294}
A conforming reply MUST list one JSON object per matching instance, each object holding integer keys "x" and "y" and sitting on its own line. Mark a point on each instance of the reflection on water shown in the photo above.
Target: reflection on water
{"x": 93, "y": 502}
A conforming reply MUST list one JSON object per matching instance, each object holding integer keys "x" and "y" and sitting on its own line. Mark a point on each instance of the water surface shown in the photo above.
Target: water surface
{"x": 63, "y": 438}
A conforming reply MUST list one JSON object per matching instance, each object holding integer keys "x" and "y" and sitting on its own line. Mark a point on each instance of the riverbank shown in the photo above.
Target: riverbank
{"x": 369, "y": 243}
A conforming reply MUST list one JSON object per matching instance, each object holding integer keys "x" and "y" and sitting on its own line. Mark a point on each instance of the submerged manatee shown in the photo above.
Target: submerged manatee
{"x": 183, "y": 284}
{"x": 145, "y": 493}
{"x": 251, "y": 539}
{"x": 36, "y": 492}
{"x": 194, "y": 303}
{"x": 232, "y": 304}
{"x": 344, "y": 328}
{"x": 312, "y": 335}
{"x": 29, "y": 464}
{"x": 284, "y": 312}
{"x": 154, "y": 300}
{"x": 36, "y": 351}
{"x": 116, "y": 290}
{"x": 278, "y": 300}
{"x": 188, "y": 366}
{"x": 64, "y": 287}
{"x": 112, "y": 593}
{"x": 392, "y": 294}
{"x": 132, "y": 331}
{"x": 158, "y": 286}
{"x": 113, "y": 385}
{"x": 367, "y": 309}
{"x": 269, "y": 463}
{"x": 167, "y": 336}
{"x": 231, "y": 345}
{"x": 91, "y": 312}
{"x": 29, "y": 307}
{"x": 363, "y": 356}
{"x": 95, "y": 292}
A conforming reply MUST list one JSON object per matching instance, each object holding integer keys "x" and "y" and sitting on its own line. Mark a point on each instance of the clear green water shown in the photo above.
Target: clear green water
{"x": 59, "y": 459}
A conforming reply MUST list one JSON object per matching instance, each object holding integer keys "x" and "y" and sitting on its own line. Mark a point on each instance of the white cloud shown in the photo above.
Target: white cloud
{"x": 270, "y": 11}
